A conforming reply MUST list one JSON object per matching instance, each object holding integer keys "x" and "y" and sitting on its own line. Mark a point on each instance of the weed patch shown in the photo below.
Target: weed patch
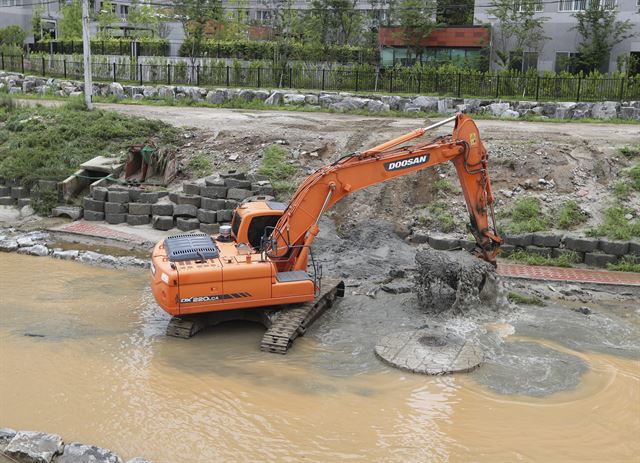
{"x": 630, "y": 151}
{"x": 615, "y": 225}
{"x": 276, "y": 167}
{"x": 199, "y": 165}
{"x": 526, "y": 216}
{"x": 50, "y": 143}
{"x": 568, "y": 259}
{"x": 570, "y": 216}
{"x": 518, "y": 298}
{"x": 625, "y": 266}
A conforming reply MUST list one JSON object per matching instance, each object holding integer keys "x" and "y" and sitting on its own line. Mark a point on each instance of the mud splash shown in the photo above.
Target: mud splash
{"x": 101, "y": 371}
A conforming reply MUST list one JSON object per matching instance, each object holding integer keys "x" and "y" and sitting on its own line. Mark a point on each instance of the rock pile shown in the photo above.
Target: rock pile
{"x": 338, "y": 101}
{"x": 40, "y": 447}
{"x": 35, "y": 244}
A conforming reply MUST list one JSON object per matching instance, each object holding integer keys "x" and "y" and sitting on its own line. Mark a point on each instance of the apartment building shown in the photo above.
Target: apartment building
{"x": 563, "y": 39}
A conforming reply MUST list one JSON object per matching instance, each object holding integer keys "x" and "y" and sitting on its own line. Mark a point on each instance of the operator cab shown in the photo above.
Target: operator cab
{"x": 251, "y": 219}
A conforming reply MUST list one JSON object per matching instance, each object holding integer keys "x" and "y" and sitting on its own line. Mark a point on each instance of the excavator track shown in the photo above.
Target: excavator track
{"x": 285, "y": 325}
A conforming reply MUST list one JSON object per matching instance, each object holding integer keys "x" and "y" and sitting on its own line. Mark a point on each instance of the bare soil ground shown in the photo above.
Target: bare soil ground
{"x": 555, "y": 162}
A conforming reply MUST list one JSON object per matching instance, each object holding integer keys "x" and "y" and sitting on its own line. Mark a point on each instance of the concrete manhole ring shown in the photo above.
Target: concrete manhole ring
{"x": 429, "y": 352}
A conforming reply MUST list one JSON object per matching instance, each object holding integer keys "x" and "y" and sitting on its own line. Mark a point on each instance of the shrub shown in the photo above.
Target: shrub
{"x": 571, "y": 215}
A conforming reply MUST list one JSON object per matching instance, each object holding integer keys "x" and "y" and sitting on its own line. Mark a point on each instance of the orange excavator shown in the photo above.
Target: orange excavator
{"x": 261, "y": 262}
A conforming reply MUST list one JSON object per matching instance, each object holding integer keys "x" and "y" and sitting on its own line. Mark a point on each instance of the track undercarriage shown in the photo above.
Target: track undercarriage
{"x": 283, "y": 324}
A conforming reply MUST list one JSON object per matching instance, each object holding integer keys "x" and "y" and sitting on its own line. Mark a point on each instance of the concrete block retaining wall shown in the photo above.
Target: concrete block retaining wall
{"x": 594, "y": 252}
{"x": 18, "y": 84}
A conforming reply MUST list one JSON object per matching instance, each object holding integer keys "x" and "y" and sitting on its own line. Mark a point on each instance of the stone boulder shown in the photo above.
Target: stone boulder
{"x": 116, "y": 89}
{"x": 166, "y": 92}
{"x": 425, "y": 103}
{"x": 497, "y": 109}
{"x": 605, "y": 110}
{"x": 34, "y": 447}
{"x": 80, "y": 453}
{"x": 510, "y": 114}
{"x": 293, "y": 98}
{"x": 375, "y": 106}
{"x": 275, "y": 99}
{"x": 216, "y": 96}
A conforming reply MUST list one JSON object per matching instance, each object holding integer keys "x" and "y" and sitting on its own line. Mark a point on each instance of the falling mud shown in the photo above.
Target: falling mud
{"x": 458, "y": 283}
{"x": 101, "y": 370}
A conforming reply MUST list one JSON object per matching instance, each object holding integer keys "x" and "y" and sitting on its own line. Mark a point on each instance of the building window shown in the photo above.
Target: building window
{"x": 263, "y": 15}
{"x": 124, "y": 10}
{"x": 566, "y": 61}
{"x": 521, "y": 5}
{"x": 523, "y": 61}
{"x": 581, "y": 5}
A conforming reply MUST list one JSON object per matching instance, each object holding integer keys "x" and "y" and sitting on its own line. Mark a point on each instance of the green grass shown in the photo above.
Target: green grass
{"x": 570, "y": 216}
{"x": 630, "y": 151}
{"x": 625, "y": 266}
{"x": 622, "y": 189}
{"x": 199, "y": 165}
{"x": 46, "y": 201}
{"x": 50, "y": 143}
{"x": 615, "y": 225}
{"x": 525, "y": 217}
{"x": 444, "y": 185}
{"x": 518, "y": 298}
{"x": 568, "y": 259}
{"x": 276, "y": 167}
{"x": 634, "y": 175}
{"x": 438, "y": 217}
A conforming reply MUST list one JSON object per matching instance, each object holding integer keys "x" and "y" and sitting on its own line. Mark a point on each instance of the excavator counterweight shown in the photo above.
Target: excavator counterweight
{"x": 261, "y": 261}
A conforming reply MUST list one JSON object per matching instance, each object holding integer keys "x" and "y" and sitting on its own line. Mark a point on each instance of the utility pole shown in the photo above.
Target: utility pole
{"x": 86, "y": 48}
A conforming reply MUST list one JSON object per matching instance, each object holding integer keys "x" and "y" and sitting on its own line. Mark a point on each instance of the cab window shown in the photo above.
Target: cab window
{"x": 257, "y": 226}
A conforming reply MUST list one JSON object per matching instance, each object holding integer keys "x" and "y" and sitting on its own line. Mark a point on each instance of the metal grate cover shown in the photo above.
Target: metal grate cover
{"x": 190, "y": 246}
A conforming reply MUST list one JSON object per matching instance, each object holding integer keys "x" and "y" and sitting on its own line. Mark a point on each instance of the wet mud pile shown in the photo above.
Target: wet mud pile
{"x": 457, "y": 283}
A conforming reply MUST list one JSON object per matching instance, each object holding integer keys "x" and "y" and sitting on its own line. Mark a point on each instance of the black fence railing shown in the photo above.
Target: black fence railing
{"x": 458, "y": 85}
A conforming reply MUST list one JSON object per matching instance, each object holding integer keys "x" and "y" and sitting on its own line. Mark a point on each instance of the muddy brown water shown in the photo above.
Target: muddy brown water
{"x": 82, "y": 354}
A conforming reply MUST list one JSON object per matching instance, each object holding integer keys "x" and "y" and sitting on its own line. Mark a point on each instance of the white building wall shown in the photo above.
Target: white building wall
{"x": 563, "y": 39}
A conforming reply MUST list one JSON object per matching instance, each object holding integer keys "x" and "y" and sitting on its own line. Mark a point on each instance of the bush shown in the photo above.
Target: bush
{"x": 571, "y": 215}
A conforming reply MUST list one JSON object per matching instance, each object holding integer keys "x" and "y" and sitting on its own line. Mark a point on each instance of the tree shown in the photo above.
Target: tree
{"x": 518, "y": 28}
{"x": 36, "y": 22}
{"x": 455, "y": 12}
{"x": 333, "y": 22}
{"x": 416, "y": 23}
{"x": 194, "y": 16}
{"x": 600, "y": 31}
{"x": 12, "y": 36}
{"x": 70, "y": 24}
{"x": 106, "y": 17}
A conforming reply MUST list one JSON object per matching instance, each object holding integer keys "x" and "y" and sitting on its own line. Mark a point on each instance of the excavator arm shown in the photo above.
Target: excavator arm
{"x": 289, "y": 242}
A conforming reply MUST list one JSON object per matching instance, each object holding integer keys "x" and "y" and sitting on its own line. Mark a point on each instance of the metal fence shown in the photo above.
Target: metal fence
{"x": 392, "y": 81}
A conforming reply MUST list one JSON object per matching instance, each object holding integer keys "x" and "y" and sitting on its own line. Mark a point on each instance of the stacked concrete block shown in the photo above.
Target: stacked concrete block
{"x": 19, "y": 192}
{"x": 91, "y": 204}
{"x": 207, "y": 216}
{"x": 213, "y": 191}
{"x": 149, "y": 197}
{"x": 185, "y": 210}
{"x": 187, "y": 223}
{"x": 210, "y": 228}
{"x": 184, "y": 199}
{"x": 163, "y": 209}
{"x": 118, "y": 196}
{"x": 162, "y": 222}
{"x": 191, "y": 188}
{"x": 22, "y": 202}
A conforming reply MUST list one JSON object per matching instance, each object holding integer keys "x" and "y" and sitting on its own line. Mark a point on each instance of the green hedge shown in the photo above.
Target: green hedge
{"x": 120, "y": 46}
{"x": 252, "y": 49}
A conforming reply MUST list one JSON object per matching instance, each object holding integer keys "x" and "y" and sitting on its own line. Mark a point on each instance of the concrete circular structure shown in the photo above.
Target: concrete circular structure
{"x": 429, "y": 352}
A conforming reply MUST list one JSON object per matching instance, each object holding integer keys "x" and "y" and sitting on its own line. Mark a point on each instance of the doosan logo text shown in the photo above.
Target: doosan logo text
{"x": 405, "y": 163}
